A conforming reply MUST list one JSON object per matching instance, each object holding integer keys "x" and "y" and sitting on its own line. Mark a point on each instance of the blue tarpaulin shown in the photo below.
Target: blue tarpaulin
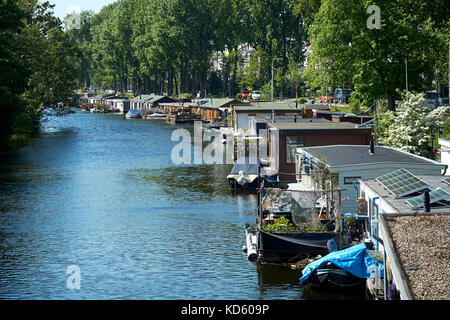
{"x": 355, "y": 260}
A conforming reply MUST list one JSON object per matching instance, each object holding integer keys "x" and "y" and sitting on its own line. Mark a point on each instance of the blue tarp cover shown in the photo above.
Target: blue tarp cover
{"x": 355, "y": 260}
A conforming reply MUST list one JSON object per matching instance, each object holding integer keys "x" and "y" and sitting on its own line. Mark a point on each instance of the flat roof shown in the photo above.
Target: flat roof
{"x": 215, "y": 103}
{"x": 268, "y": 106}
{"x": 329, "y": 112}
{"x": 317, "y": 107}
{"x": 142, "y": 97}
{"x": 289, "y": 119}
{"x": 420, "y": 242}
{"x": 444, "y": 142}
{"x": 176, "y": 103}
{"x": 312, "y": 125}
{"x": 399, "y": 204}
{"x": 343, "y": 155}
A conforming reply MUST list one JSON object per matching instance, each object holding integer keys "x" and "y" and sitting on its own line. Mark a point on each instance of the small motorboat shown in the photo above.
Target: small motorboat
{"x": 133, "y": 114}
{"x": 244, "y": 174}
{"x": 155, "y": 116}
{"x": 344, "y": 269}
{"x": 331, "y": 277}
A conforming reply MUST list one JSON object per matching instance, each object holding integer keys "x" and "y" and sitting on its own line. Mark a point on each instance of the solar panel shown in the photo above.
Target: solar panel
{"x": 435, "y": 196}
{"x": 401, "y": 183}
{"x": 447, "y": 181}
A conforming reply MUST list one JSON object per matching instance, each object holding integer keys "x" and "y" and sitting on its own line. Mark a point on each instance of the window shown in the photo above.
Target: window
{"x": 350, "y": 180}
{"x": 292, "y": 142}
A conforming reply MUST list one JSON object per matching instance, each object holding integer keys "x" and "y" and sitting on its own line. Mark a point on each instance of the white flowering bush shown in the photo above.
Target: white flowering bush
{"x": 413, "y": 129}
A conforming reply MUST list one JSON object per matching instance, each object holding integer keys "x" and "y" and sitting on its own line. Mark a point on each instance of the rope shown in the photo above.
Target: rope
{"x": 304, "y": 243}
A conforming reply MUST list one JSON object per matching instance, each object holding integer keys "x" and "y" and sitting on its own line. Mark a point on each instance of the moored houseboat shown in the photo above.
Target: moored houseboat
{"x": 298, "y": 228}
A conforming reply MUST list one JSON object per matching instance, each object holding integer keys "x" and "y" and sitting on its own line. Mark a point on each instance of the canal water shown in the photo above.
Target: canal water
{"x": 100, "y": 192}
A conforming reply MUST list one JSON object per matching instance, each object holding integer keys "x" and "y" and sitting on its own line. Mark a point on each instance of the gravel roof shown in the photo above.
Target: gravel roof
{"x": 422, "y": 244}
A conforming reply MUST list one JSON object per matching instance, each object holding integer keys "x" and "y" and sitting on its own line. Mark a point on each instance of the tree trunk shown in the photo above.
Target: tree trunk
{"x": 391, "y": 101}
{"x": 175, "y": 80}
{"x": 169, "y": 81}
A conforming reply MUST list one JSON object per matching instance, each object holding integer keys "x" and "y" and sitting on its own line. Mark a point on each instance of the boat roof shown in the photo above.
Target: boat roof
{"x": 399, "y": 204}
{"x": 216, "y": 103}
{"x": 343, "y": 155}
{"x": 249, "y": 165}
{"x": 268, "y": 106}
{"x": 312, "y": 125}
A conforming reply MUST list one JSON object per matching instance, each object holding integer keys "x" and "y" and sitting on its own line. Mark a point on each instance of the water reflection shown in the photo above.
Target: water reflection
{"x": 101, "y": 192}
{"x": 186, "y": 183}
{"x": 275, "y": 280}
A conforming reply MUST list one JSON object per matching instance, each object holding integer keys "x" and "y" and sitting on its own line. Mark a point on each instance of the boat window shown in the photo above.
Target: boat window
{"x": 350, "y": 180}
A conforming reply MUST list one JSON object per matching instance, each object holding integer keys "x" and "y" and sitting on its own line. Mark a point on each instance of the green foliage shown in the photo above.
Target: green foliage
{"x": 13, "y": 73}
{"x": 446, "y": 128}
{"x": 413, "y": 129}
{"x": 184, "y": 96}
{"x": 279, "y": 225}
{"x": 266, "y": 91}
{"x": 322, "y": 175}
{"x": 344, "y": 50}
{"x": 349, "y": 222}
{"x": 306, "y": 227}
{"x": 354, "y": 106}
{"x": 167, "y": 46}
{"x": 37, "y": 66}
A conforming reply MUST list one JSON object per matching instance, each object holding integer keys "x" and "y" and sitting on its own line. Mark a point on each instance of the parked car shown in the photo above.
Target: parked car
{"x": 256, "y": 95}
{"x": 433, "y": 100}
{"x": 342, "y": 95}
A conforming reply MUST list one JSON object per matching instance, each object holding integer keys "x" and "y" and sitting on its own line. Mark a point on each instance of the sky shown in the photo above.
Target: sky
{"x": 63, "y": 7}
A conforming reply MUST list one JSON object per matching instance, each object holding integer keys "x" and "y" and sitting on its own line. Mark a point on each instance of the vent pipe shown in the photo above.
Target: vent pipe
{"x": 426, "y": 201}
{"x": 372, "y": 147}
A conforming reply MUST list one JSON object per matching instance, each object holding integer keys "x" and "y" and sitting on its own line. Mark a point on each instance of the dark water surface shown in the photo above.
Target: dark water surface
{"x": 100, "y": 192}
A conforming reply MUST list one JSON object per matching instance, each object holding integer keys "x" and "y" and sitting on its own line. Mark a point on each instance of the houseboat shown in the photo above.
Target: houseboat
{"x": 347, "y": 164}
{"x": 285, "y": 237}
{"x": 408, "y": 218}
{"x": 285, "y": 138}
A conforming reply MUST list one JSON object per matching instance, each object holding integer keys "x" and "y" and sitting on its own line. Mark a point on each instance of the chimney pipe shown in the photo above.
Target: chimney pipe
{"x": 426, "y": 201}
{"x": 372, "y": 147}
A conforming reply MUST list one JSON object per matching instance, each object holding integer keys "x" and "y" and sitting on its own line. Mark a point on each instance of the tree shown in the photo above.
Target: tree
{"x": 50, "y": 55}
{"x": 78, "y": 28}
{"x": 346, "y": 51}
{"x": 37, "y": 64}
{"x": 13, "y": 72}
{"x": 413, "y": 129}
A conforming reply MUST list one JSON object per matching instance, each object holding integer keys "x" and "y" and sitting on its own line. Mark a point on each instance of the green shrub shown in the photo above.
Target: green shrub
{"x": 306, "y": 227}
{"x": 279, "y": 224}
{"x": 355, "y": 107}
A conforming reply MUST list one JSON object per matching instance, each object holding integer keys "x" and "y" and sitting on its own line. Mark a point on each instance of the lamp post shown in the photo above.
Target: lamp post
{"x": 406, "y": 66}
{"x": 271, "y": 95}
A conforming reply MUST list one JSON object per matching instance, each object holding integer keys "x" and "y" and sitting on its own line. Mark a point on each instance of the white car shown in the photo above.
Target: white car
{"x": 256, "y": 95}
